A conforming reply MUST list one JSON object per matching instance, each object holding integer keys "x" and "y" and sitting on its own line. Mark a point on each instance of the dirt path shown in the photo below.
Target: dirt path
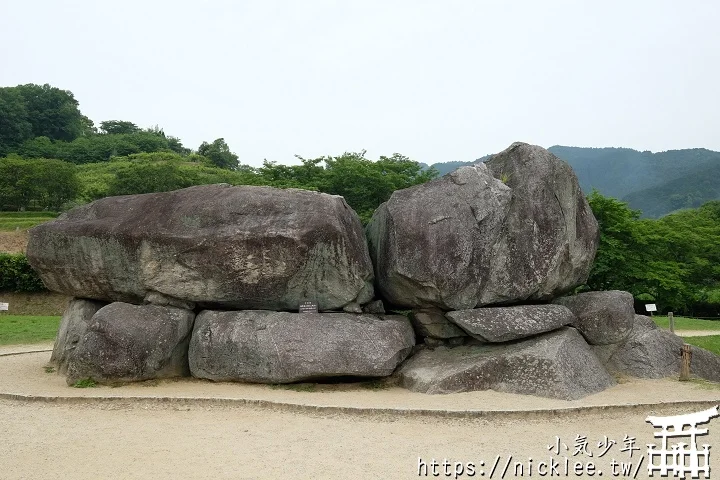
{"x": 42, "y": 441}
{"x": 696, "y": 333}
{"x": 148, "y": 440}
{"x": 26, "y": 375}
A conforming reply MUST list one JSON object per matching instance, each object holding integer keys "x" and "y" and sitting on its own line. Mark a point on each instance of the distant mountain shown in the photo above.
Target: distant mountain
{"x": 689, "y": 191}
{"x": 447, "y": 167}
{"x": 654, "y": 183}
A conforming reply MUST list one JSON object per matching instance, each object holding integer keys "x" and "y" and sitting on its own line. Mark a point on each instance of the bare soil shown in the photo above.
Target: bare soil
{"x": 43, "y": 303}
{"x": 14, "y": 241}
{"x": 140, "y": 440}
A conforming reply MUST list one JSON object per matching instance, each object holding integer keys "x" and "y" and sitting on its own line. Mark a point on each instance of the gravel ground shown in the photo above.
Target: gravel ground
{"x": 145, "y": 440}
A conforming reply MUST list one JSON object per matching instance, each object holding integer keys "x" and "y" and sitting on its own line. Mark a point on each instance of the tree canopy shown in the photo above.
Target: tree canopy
{"x": 675, "y": 261}
{"x": 52, "y": 157}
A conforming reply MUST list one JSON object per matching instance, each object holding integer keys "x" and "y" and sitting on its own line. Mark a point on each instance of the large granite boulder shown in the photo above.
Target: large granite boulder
{"x": 504, "y": 324}
{"x": 704, "y": 364}
{"x": 283, "y": 347}
{"x": 430, "y": 243}
{"x": 548, "y": 241}
{"x": 214, "y": 245}
{"x": 650, "y": 352}
{"x": 602, "y": 317}
{"x": 73, "y": 325}
{"x": 515, "y": 229}
{"x": 128, "y": 343}
{"x": 559, "y": 364}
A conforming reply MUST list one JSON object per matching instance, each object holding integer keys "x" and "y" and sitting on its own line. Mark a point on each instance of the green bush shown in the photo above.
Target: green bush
{"x": 16, "y": 274}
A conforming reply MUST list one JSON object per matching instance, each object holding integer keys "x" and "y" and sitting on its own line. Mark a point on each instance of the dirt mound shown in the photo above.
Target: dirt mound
{"x": 13, "y": 242}
{"x": 45, "y": 303}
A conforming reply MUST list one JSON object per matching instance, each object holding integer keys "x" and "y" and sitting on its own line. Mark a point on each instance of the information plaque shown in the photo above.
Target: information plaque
{"x": 308, "y": 307}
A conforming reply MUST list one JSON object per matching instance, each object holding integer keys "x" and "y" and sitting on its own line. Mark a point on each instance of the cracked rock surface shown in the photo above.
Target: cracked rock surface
{"x": 215, "y": 246}
{"x": 282, "y": 347}
{"x": 558, "y": 364}
{"x": 515, "y": 229}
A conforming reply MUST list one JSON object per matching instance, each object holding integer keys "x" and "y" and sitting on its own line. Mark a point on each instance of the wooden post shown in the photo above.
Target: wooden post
{"x": 685, "y": 363}
{"x": 672, "y": 322}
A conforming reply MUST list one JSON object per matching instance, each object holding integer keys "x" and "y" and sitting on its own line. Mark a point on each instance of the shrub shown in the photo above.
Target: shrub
{"x": 16, "y": 274}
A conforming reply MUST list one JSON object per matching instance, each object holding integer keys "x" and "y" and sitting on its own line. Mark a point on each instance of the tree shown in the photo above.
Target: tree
{"x": 14, "y": 125}
{"x": 219, "y": 154}
{"x": 176, "y": 146}
{"x": 38, "y": 183}
{"x": 148, "y": 178}
{"x": 616, "y": 261}
{"x": 364, "y": 183}
{"x": 39, "y": 147}
{"x": 118, "y": 127}
{"x": 673, "y": 260}
{"x": 53, "y": 113}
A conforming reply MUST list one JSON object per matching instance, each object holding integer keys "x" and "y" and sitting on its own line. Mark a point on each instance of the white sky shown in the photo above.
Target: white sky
{"x": 434, "y": 80}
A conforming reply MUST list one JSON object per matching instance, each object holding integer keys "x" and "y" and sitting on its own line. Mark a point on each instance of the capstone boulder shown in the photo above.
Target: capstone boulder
{"x": 516, "y": 229}
{"x": 211, "y": 245}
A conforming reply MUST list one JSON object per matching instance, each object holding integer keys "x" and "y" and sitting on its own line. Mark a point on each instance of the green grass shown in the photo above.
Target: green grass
{"x": 12, "y": 220}
{"x": 85, "y": 383}
{"x": 28, "y": 214}
{"x": 705, "y": 384}
{"x": 683, "y": 323}
{"x": 298, "y": 387}
{"x": 20, "y": 329}
{"x": 710, "y": 342}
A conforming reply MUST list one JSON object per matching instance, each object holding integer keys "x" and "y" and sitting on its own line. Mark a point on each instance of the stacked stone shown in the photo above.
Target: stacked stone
{"x": 206, "y": 281}
{"x": 483, "y": 256}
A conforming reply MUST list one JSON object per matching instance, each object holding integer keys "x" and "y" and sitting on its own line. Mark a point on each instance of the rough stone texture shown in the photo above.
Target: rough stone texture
{"x": 515, "y": 229}
{"x": 430, "y": 244}
{"x": 156, "y": 298}
{"x": 548, "y": 241}
{"x": 448, "y": 342}
{"x": 73, "y": 325}
{"x": 375, "y": 307}
{"x": 431, "y": 322}
{"x": 559, "y": 364}
{"x": 282, "y": 347}
{"x": 503, "y": 324}
{"x": 602, "y": 317}
{"x": 127, "y": 343}
{"x": 352, "y": 308}
{"x": 705, "y": 364}
{"x": 215, "y": 245}
{"x": 650, "y": 352}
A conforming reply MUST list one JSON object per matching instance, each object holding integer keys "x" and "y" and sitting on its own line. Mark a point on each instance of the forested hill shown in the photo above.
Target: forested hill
{"x": 654, "y": 183}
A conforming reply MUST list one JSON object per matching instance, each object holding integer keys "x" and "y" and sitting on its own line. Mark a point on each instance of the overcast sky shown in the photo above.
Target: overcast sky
{"x": 434, "y": 80}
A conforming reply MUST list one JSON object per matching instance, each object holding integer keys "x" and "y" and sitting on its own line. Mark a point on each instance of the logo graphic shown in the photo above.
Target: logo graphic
{"x": 680, "y": 458}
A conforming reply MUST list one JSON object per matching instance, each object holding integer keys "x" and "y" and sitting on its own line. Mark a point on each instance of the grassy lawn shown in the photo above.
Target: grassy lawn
{"x": 11, "y": 220}
{"x": 711, "y": 342}
{"x": 682, "y": 323}
{"x": 19, "y": 329}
